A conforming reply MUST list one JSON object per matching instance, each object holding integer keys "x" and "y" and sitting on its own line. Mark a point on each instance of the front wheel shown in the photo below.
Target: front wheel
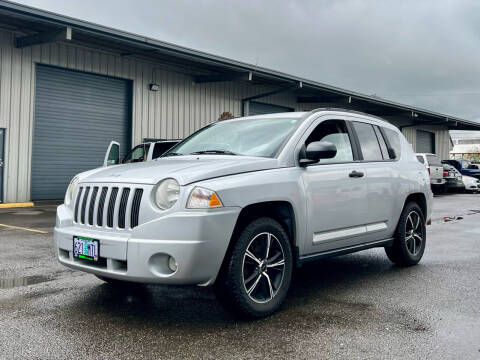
{"x": 255, "y": 279}
{"x": 410, "y": 237}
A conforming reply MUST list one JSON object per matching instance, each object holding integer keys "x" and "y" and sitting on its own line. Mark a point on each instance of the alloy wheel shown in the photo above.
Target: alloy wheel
{"x": 414, "y": 235}
{"x": 263, "y": 267}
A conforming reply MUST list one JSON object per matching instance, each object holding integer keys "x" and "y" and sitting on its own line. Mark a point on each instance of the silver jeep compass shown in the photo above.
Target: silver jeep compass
{"x": 243, "y": 201}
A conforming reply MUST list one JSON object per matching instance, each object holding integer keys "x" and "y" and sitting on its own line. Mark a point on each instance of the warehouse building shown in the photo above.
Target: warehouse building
{"x": 69, "y": 87}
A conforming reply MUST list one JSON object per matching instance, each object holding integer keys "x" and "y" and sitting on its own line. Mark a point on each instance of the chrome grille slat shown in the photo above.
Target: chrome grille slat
{"x": 84, "y": 205}
{"x": 111, "y": 206}
{"x": 91, "y": 207}
{"x": 114, "y": 207}
{"x": 123, "y": 208}
{"x": 101, "y": 204}
{"x": 137, "y": 199}
{"x": 77, "y": 204}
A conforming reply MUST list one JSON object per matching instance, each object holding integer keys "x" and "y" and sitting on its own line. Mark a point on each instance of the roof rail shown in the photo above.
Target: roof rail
{"x": 346, "y": 110}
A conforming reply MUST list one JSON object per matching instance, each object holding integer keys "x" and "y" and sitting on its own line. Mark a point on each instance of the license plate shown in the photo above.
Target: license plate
{"x": 86, "y": 248}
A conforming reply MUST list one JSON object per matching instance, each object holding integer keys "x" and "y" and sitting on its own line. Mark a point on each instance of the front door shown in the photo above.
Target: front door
{"x": 2, "y": 161}
{"x": 335, "y": 191}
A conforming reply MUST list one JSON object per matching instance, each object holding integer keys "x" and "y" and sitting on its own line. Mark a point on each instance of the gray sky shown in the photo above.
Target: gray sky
{"x": 425, "y": 53}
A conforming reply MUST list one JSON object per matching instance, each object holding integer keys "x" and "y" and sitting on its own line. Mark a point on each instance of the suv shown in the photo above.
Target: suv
{"x": 435, "y": 170}
{"x": 241, "y": 202}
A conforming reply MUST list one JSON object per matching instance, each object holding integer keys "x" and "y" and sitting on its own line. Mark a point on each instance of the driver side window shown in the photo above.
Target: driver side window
{"x": 334, "y": 131}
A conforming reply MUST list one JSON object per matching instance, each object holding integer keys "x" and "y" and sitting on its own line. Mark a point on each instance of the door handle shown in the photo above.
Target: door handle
{"x": 356, "y": 174}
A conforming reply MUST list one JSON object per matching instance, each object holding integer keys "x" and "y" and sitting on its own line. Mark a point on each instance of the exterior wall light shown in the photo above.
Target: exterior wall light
{"x": 154, "y": 87}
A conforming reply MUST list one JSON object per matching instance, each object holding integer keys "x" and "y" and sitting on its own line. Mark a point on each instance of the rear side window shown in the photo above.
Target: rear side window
{"x": 420, "y": 158}
{"x": 394, "y": 141}
{"x": 433, "y": 160}
{"x": 368, "y": 142}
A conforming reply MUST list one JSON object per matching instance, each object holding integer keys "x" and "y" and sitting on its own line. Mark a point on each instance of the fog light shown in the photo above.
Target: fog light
{"x": 172, "y": 264}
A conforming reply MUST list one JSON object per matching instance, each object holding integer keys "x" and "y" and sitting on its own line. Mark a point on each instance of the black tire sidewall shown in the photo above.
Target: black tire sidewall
{"x": 236, "y": 290}
{"x": 400, "y": 246}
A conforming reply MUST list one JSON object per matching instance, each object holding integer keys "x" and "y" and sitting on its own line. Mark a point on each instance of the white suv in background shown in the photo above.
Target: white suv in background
{"x": 435, "y": 170}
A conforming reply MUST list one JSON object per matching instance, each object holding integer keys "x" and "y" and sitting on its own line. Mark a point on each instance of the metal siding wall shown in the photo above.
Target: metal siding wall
{"x": 442, "y": 138}
{"x": 178, "y": 109}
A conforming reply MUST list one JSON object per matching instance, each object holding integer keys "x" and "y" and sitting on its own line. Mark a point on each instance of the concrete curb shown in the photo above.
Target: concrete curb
{"x": 16, "y": 205}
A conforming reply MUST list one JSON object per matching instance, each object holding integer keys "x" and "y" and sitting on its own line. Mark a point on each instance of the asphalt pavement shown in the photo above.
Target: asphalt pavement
{"x": 356, "y": 306}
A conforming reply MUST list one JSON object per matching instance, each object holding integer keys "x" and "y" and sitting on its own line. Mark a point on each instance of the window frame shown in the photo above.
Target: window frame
{"x": 354, "y": 142}
{"x": 311, "y": 129}
{"x": 389, "y": 145}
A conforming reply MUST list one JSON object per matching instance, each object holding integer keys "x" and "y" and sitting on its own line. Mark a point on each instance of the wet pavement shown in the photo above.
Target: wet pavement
{"x": 356, "y": 306}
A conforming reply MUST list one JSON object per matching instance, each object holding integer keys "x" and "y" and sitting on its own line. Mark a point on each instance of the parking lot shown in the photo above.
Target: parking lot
{"x": 355, "y": 306}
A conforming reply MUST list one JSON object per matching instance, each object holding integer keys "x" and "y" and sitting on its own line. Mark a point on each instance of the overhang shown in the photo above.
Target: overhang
{"x": 38, "y": 26}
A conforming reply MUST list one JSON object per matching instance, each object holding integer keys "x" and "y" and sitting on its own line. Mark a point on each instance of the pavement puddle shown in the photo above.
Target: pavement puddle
{"x": 10, "y": 283}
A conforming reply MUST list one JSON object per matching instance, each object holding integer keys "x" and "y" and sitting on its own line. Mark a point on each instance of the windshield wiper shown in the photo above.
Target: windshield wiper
{"x": 171, "y": 154}
{"x": 221, "y": 152}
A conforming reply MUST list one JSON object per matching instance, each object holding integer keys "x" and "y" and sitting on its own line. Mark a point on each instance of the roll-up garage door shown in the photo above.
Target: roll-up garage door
{"x": 77, "y": 114}
{"x": 259, "y": 108}
{"x": 425, "y": 142}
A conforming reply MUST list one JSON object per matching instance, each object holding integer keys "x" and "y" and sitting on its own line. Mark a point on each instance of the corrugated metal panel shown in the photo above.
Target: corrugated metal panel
{"x": 76, "y": 116}
{"x": 442, "y": 138}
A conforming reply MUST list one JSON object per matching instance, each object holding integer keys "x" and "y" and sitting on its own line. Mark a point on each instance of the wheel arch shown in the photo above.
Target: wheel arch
{"x": 281, "y": 211}
{"x": 420, "y": 199}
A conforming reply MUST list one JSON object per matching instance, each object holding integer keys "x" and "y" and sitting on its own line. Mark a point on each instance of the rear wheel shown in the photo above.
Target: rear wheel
{"x": 255, "y": 279}
{"x": 410, "y": 237}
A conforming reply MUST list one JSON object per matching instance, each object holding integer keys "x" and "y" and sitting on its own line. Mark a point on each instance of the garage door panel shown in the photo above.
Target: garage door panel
{"x": 425, "y": 142}
{"x": 76, "y": 116}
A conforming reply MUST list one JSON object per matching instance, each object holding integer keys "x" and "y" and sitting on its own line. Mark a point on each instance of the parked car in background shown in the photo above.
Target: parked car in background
{"x": 435, "y": 170}
{"x": 149, "y": 150}
{"x": 453, "y": 179}
{"x": 241, "y": 202}
{"x": 471, "y": 184}
{"x": 465, "y": 167}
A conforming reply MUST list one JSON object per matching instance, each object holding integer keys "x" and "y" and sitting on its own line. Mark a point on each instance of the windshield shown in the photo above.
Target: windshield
{"x": 252, "y": 137}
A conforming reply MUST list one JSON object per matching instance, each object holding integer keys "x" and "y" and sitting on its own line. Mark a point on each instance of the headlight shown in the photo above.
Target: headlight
{"x": 166, "y": 194}
{"x": 70, "y": 191}
{"x": 202, "y": 198}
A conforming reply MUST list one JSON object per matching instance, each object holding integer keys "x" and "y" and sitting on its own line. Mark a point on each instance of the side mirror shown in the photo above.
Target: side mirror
{"x": 112, "y": 157}
{"x": 316, "y": 151}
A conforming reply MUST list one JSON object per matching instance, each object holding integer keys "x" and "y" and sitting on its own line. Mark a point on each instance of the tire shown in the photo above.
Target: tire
{"x": 266, "y": 277}
{"x": 408, "y": 247}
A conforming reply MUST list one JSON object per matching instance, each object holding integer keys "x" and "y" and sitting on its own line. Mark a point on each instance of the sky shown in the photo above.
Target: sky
{"x": 423, "y": 53}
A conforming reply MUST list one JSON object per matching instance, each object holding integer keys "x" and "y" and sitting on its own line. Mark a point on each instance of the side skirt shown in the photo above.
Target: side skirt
{"x": 342, "y": 251}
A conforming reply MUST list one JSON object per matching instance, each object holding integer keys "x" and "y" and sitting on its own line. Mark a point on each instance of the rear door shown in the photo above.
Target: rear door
{"x": 436, "y": 169}
{"x": 380, "y": 187}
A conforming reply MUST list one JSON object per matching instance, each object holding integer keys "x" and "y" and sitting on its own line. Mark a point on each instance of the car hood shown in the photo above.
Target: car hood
{"x": 185, "y": 169}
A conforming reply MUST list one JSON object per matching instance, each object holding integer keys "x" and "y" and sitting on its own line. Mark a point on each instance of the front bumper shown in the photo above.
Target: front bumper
{"x": 197, "y": 240}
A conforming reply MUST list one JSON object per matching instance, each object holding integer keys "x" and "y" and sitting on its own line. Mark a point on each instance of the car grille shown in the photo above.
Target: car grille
{"x": 108, "y": 206}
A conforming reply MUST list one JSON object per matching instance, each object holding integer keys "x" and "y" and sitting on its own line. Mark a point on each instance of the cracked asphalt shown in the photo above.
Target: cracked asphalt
{"x": 356, "y": 306}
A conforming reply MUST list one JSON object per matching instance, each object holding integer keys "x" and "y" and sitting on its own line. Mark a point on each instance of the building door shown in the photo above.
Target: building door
{"x": 77, "y": 115}
{"x": 2, "y": 161}
{"x": 259, "y": 108}
{"x": 425, "y": 142}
